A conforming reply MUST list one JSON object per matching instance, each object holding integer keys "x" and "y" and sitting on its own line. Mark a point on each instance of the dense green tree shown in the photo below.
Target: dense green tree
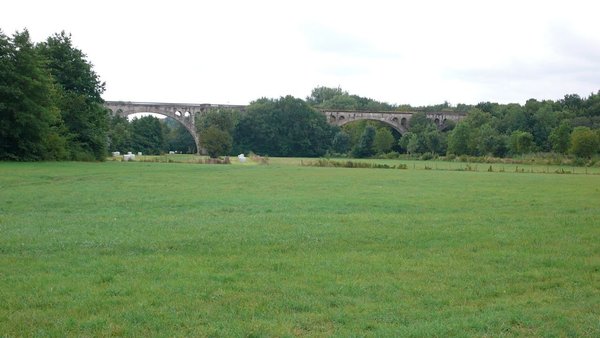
{"x": 384, "y": 140}
{"x": 560, "y": 137}
{"x": 222, "y": 118}
{"x": 477, "y": 118}
{"x": 584, "y": 142}
{"x": 435, "y": 141}
{"x": 572, "y": 102}
{"x": 448, "y": 126}
{"x": 30, "y": 126}
{"x": 283, "y": 127}
{"x": 79, "y": 97}
{"x": 214, "y": 126}
{"x": 322, "y": 94}
{"x": 592, "y": 105}
{"x": 147, "y": 135}
{"x": 336, "y": 98}
{"x": 355, "y": 130}
{"x": 119, "y": 134}
{"x": 415, "y": 144}
{"x": 216, "y": 141}
{"x": 487, "y": 107}
{"x": 521, "y": 142}
{"x": 513, "y": 117}
{"x": 365, "y": 146}
{"x": 341, "y": 102}
{"x": 403, "y": 141}
{"x": 430, "y": 140}
{"x": 490, "y": 142}
{"x": 341, "y": 142}
{"x": 459, "y": 140}
{"x": 545, "y": 119}
{"x": 420, "y": 123}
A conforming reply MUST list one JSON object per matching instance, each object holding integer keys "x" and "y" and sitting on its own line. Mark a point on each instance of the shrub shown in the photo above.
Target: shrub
{"x": 427, "y": 156}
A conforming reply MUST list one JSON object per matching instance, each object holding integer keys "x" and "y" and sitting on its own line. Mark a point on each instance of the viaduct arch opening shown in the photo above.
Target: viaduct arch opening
{"x": 184, "y": 118}
{"x": 192, "y": 133}
{"x": 394, "y": 126}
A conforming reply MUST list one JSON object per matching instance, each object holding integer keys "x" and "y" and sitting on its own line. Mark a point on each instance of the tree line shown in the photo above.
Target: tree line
{"x": 51, "y": 109}
{"x": 567, "y": 126}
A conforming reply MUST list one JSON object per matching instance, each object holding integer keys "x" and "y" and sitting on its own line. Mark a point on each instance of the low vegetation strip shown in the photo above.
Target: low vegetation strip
{"x": 447, "y": 166}
{"x": 350, "y": 164}
{"x": 173, "y": 249}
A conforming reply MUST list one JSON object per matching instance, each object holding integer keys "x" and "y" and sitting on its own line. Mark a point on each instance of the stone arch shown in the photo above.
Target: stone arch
{"x": 390, "y": 123}
{"x": 190, "y": 126}
{"x": 184, "y": 113}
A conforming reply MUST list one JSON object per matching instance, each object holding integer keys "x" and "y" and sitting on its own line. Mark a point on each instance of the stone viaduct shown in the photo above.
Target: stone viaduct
{"x": 400, "y": 121}
{"x": 185, "y": 113}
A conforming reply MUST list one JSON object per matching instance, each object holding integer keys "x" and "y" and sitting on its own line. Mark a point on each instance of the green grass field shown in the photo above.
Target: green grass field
{"x": 177, "y": 249}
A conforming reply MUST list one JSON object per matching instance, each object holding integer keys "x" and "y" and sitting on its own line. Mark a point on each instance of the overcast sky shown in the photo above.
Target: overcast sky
{"x": 400, "y": 52}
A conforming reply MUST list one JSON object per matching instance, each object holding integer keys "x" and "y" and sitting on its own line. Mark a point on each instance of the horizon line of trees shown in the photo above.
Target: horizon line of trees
{"x": 567, "y": 126}
{"x": 291, "y": 127}
{"x": 51, "y": 109}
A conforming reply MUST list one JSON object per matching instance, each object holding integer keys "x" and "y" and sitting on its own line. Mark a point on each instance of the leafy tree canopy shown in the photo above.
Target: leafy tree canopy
{"x": 283, "y": 127}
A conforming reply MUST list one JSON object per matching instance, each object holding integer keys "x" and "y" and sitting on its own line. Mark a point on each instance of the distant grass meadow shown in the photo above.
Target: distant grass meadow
{"x": 180, "y": 249}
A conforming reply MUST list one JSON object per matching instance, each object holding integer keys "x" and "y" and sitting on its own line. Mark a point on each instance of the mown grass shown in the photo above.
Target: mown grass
{"x": 175, "y": 249}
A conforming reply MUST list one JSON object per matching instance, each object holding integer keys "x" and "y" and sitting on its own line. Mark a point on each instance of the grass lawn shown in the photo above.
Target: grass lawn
{"x": 178, "y": 249}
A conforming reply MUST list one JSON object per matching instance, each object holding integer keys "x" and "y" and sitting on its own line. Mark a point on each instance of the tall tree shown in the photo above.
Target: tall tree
{"x": 29, "y": 121}
{"x": 365, "y": 147}
{"x": 384, "y": 140}
{"x": 216, "y": 141}
{"x": 119, "y": 135}
{"x": 459, "y": 140}
{"x": 147, "y": 135}
{"x": 79, "y": 97}
{"x": 435, "y": 141}
{"x": 215, "y": 129}
{"x": 560, "y": 137}
{"x": 322, "y": 94}
{"x": 283, "y": 127}
{"x": 521, "y": 142}
{"x": 584, "y": 142}
{"x": 419, "y": 123}
{"x": 341, "y": 142}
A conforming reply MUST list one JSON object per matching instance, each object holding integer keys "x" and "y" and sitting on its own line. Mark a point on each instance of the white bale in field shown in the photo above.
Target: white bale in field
{"x": 242, "y": 158}
{"x": 129, "y": 157}
{"x": 171, "y": 152}
{"x": 116, "y": 153}
{"x": 139, "y": 153}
